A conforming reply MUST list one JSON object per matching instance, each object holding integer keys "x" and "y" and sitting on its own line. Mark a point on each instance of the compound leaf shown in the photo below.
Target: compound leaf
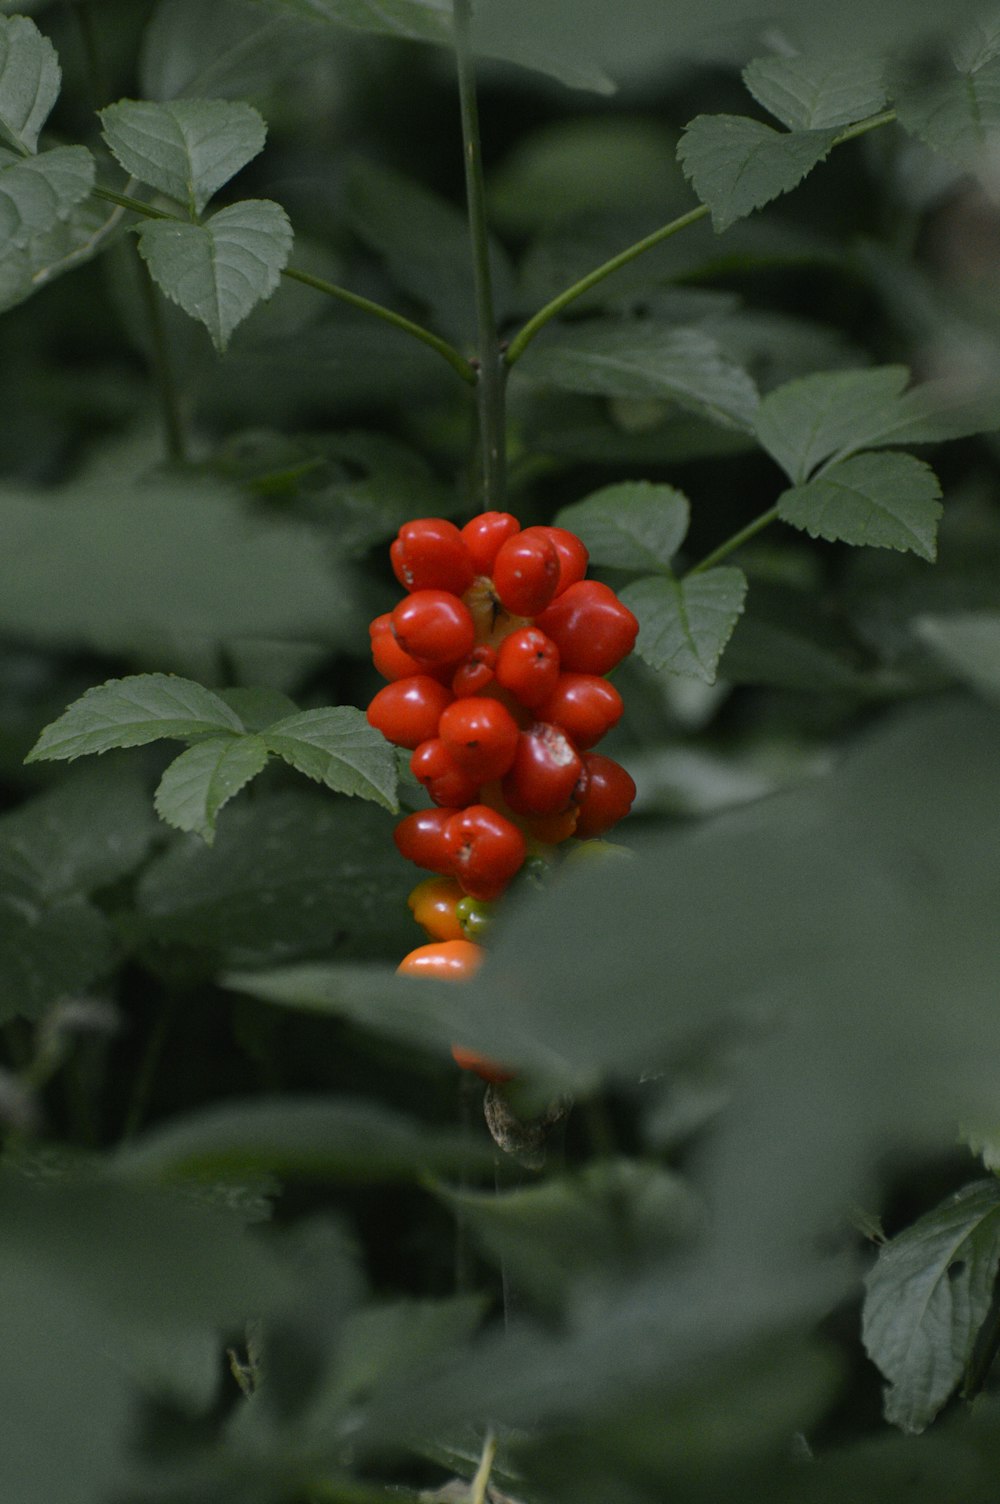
{"x": 817, "y": 92}
{"x": 30, "y": 79}
{"x": 737, "y": 165}
{"x": 806, "y": 421}
{"x": 927, "y": 1297}
{"x": 130, "y": 712}
{"x": 337, "y": 747}
{"x": 187, "y": 148}
{"x": 38, "y": 193}
{"x": 878, "y": 500}
{"x": 633, "y": 525}
{"x": 685, "y": 624}
{"x": 198, "y": 783}
{"x": 217, "y": 272}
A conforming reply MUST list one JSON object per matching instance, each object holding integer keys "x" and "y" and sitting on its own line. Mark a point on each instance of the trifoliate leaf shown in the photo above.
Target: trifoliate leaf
{"x": 336, "y": 746}
{"x": 198, "y": 783}
{"x": 819, "y": 91}
{"x": 187, "y": 148}
{"x": 130, "y": 712}
{"x": 880, "y": 500}
{"x": 737, "y": 165}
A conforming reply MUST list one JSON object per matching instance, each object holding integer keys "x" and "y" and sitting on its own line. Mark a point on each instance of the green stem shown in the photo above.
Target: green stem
{"x": 736, "y": 541}
{"x": 537, "y": 323}
{"x": 492, "y": 370}
{"x": 163, "y": 367}
{"x": 448, "y": 352}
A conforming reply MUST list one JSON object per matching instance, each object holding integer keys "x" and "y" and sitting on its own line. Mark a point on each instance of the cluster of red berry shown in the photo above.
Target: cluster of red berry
{"x": 496, "y": 660}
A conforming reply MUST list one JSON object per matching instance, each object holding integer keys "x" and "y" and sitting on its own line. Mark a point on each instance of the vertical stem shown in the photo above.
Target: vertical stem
{"x": 166, "y": 386}
{"x": 492, "y": 371}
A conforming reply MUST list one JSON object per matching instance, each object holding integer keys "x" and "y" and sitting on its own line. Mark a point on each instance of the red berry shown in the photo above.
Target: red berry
{"x": 607, "y": 798}
{"x": 433, "y": 765}
{"x": 445, "y": 961}
{"x": 481, "y": 1064}
{"x": 545, "y": 772}
{"x": 420, "y": 838}
{"x": 585, "y": 705}
{"x": 430, "y": 554}
{"x": 387, "y": 655}
{"x": 476, "y": 672}
{"x": 481, "y": 734}
{"x": 484, "y": 535}
{"x": 526, "y": 572}
{"x": 434, "y": 904}
{"x": 485, "y": 850}
{"x": 528, "y": 665}
{"x": 591, "y": 627}
{"x": 407, "y": 711}
{"x": 573, "y": 556}
{"x": 434, "y": 627}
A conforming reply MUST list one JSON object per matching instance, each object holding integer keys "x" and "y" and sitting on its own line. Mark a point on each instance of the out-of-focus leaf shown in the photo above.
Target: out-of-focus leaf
{"x": 229, "y": 50}
{"x": 633, "y": 525}
{"x": 684, "y": 625}
{"x": 48, "y": 949}
{"x": 927, "y": 1297}
{"x": 958, "y": 115}
{"x": 39, "y": 192}
{"x": 815, "y": 92}
{"x": 737, "y": 165}
{"x": 641, "y": 358}
{"x": 968, "y": 644}
{"x": 311, "y": 1137}
{"x": 220, "y": 270}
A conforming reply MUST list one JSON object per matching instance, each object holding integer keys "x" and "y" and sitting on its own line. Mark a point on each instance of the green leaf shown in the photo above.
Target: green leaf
{"x": 66, "y": 243}
{"x": 425, "y": 242}
{"x": 818, "y": 91}
{"x": 91, "y": 829}
{"x": 290, "y": 874}
{"x": 737, "y": 165}
{"x": 633, "y": 525}
{"x": 336, "y": 746}
{"x": 644, "y": 358}
{"x": 48, "y": 950}
{"x": 305, "y": 1136}
{"x": 829, "y": 413}
{"x": 875, "y": 500}
{"x": 685, "y": 624}
{"x": 30, "y": 79}
{"x": 220, "y": 270}
{"x": 198, "y": 783}
{"x": 186, "y": 148}
{"x": 40, "y": 192}
{"x": 979, "y": 43}
{"x": 604, "y": 1221}
{"x": 228, "y": 50}
{"x": 130, "y": 712}
{"x": 927, "y": 1297}
{"x": 968, "y": 644}
{"x": 958, "y": 116}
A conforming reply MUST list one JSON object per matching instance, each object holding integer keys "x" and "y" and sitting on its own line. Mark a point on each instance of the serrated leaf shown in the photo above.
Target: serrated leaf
{"x": 927, "y": 1297}
{"x": 337, "y": 747}
{"x": 737, "y": 165}
{"x": 818, "y": 91}
{"x": 644, "y": 358}
{"x": 306, "y": 1136}
{"x": 684, "y": 625}
{"x": 633, "y": 525}
{"x": 220, "y": 270}
{"x": 187, "y": 148}
{"x": 967, "y": 643}
{"x": 875, "y": 500}
{"x": 804, "y": 422}
{"x": 198, "y": 783}
{"x": 30, "y": 79}
{"x": 40, "y": 192}
{"x": 131, "y": 712}
{"x": 958, "y": 116}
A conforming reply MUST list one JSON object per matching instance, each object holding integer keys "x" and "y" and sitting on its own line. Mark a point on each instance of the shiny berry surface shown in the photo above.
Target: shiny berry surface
{"x": 527, "y": 665}
{"x": 481, "y": 735}
{"x": 430, "y": 554}
{"x": 475, "y": 672}
{"x": 573, "y": 556}
{"x": 546, "y": 771}
{"x": 434, "y": 904}
{"x": 526, "y": 572}
{"x": 584, "y": 705}
{"x": 433, "y": 765}
{"x": 591, "y": 627}
{"x": 484, "y": 535}
{"x": 387, "y": 655}
{"x": 434, "y": 627}
{"x": 407, "y": 711}
{"x": 485, "y": 850}
{"x": 420, "y": 838}
{"x": 443, "y": 961}
{"x": 607, "y": 798}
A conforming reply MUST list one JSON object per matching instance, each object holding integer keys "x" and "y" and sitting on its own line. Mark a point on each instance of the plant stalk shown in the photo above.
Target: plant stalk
{"x": 492, "y": 370}
{"x": 166, "y": 386}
